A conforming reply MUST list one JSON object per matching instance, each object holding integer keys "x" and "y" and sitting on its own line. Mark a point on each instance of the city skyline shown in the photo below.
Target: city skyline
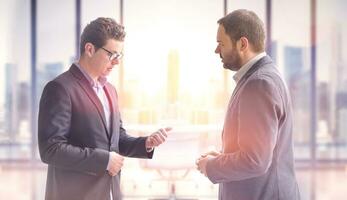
{"x": 200, "y": 88}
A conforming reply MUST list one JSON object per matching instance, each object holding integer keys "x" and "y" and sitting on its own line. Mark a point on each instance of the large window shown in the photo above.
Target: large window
{"x": 15, "y": 134}
{"x": 170, "y": 69}
{"x": 331, "y": 79}
{"x": 257, "y": 6}
{"x": 291, "y": 51}
{"x": 92, "y": 9}
{"x": 172, "y": 77}
{"x": 55, "y": 41}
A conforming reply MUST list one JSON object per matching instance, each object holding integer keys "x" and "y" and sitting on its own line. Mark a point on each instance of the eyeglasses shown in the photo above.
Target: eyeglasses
{"x": 113, "y": 56}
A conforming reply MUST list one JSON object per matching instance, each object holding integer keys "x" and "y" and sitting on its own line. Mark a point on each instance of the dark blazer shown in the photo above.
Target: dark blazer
{"x": 257, "y": 160}
{"x": 75, "y": 142}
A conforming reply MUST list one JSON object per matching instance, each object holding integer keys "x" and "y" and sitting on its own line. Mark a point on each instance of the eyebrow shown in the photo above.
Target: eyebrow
{"x": 111, "y": 50}
{"x": 115, "y": 52}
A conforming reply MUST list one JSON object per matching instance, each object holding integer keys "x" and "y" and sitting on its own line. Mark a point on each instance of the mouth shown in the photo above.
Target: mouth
{"x": 221, "y": 58}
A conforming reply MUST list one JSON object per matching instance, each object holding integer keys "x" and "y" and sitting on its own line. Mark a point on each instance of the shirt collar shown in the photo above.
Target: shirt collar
{"x": 243, "y": 70}
{"x": 101, "y": 80}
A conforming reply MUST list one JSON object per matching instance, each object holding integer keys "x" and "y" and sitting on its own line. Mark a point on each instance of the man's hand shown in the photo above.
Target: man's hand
{"x": 201, "y": 164}
{"x": 202, "y": 161}
{"x": 157, "y": 138}
{"x": 115, "y": 163}
{"x": 211, "y": 153}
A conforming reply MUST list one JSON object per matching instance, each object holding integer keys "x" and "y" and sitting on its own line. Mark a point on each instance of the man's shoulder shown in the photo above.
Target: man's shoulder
{"x": 268, "y": 71}
{"x": 64, "y": 78}
{"x": 62, "y": 81}
{"x": 266, "y": 76}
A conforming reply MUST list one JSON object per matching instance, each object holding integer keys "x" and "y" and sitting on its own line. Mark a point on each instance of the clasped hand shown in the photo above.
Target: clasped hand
{"x": 202, "y": 161}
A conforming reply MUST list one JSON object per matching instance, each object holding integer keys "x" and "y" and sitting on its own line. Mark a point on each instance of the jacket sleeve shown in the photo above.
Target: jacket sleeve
{"x": 128, "y": 145}
{"x": 132, "y": 146}
{"x": 258, "y": 118}
{"x": 53, "y": 132}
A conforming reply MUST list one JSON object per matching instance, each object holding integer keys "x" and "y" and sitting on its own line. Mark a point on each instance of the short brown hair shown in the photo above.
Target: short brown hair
{"x": 245, "y": 23}
{"x": 99, "y": 31}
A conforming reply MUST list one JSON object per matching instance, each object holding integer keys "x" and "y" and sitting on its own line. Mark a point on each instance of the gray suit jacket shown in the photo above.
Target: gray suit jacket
{"x": 257, "y": 157}
{"x": 75, "y": 142}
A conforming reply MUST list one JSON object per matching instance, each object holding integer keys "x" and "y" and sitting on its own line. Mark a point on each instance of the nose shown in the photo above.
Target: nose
{"x": 217, "y": 50}
{"x": 115, "y": 61}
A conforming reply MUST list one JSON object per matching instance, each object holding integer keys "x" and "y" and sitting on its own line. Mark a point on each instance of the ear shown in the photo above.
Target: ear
{"x": 89, "y": 49}
{"x": 243, "y": 44}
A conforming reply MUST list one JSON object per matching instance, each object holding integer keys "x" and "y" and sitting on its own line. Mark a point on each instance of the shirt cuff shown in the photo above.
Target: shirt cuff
{"x": 108, "y": 163}
{"x": 149, "y": 149}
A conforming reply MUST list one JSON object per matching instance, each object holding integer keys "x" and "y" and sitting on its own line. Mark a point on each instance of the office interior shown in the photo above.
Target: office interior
{"x": 170, "y": 76}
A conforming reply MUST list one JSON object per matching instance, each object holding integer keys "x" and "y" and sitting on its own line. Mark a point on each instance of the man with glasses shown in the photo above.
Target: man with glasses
{"x": 80, "y": 132}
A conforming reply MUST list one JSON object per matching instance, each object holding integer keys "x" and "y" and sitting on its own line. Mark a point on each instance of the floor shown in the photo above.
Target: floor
{"x": 26, "y": 181}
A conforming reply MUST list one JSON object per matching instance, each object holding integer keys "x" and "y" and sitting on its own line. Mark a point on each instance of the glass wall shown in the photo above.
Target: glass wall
{"x": 331, "y": 80}
{"x": 171, "y": 71}
{"x": 55, "y": 41}
{"x": 291, "y": 52}
{"x": 15, "y": 134}
{"x": 92, "y": 9}
{"x": 160, "y": 41}
{"x": 170, "y": 76}
{"x": 257, "y": 6}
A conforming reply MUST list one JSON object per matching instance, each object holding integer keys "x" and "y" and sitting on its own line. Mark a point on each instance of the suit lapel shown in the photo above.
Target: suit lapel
{"x": 87, "y": 88}
{"x": 111, "y": 104}
{"x": 115, "y": 116}
{"x": 254, "y": 68}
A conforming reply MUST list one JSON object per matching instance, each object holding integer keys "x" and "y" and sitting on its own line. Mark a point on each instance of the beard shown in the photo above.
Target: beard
{"x": 232, "y": 61}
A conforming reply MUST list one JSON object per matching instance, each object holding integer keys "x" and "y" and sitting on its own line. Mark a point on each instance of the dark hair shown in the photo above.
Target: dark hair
{"x": 99, "y": 31}
{"x": 245, "y": 23}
